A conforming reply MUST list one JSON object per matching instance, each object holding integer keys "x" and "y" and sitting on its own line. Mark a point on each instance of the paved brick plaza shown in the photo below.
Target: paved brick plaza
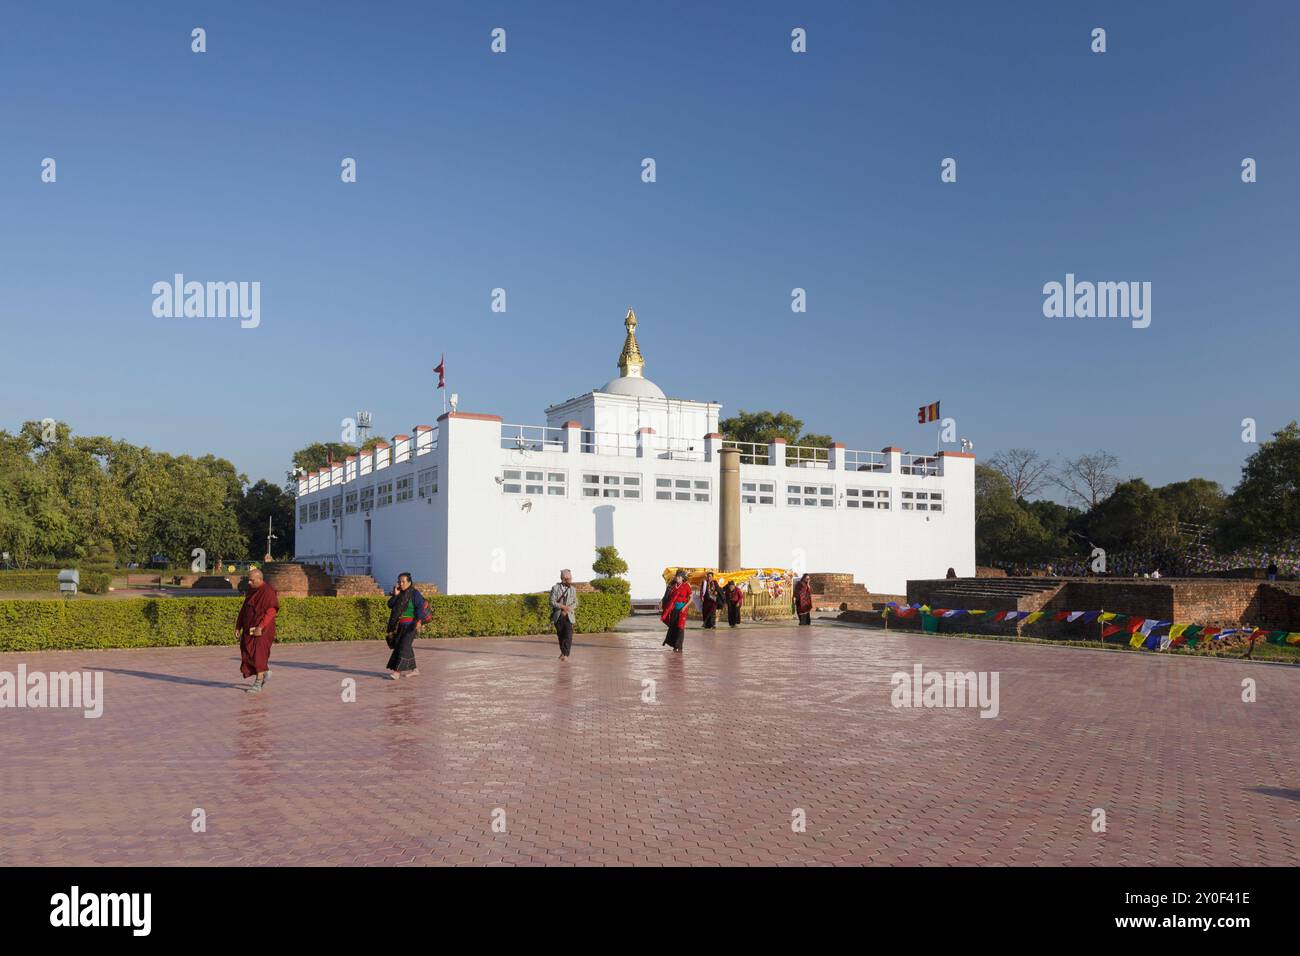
{"x": 747, "y": 727}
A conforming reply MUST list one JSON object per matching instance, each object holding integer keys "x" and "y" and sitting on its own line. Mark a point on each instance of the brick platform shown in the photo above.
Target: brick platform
{"x": 748, "y": 726}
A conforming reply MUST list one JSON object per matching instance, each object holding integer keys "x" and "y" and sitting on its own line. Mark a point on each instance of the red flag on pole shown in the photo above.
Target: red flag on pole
{"x": 442, "y": 376}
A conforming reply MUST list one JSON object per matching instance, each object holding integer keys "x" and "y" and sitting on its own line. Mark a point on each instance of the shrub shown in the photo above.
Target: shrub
{"x": 609, "y": 563}
{"x": 100, "y": 558}
{"x": 170, "y": 622}
{"x": 92, "y": 582}
{"x": 29, "y": 580}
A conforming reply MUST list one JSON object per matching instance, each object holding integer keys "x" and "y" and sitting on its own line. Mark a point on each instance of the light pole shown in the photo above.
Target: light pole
{"x": 269, "y": 538}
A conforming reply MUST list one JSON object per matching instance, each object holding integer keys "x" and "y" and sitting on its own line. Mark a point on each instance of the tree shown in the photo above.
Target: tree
{"x": 1058, "y": 520}
{"x": 1024, "y": 468}
{"x": 1088, "y": 479}
{"x": 760, "y": 428}
{"x": 611, "y": 565}
{"x": 262, "y": 501}
{"x": 1196, "y": 501}
{"x": 318, "y": 455}
{"x": 1004, "y": 529}
{"x": 1133, "y": 516}
{"x": 1264, "y": 509}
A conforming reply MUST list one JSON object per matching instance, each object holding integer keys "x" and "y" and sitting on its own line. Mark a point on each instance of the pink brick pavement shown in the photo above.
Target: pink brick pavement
{"x": 747, "y": 727}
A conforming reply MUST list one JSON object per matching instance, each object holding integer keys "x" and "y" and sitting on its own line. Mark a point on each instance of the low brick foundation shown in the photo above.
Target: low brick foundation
{"x": 1214, "y": 602}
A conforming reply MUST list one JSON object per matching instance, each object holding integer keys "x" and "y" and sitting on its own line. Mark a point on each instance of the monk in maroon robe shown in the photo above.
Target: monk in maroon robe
{"x": 255, "y": 630}
{"x": 803, "y": 600}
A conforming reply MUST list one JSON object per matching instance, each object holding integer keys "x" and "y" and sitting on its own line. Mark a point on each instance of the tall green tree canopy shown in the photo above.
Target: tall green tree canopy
{"x": 1004, "y": 529}
{"x": 762, "y": 427}
{"x": 64, "y": 497}
{"x": 1264, "y": 508}
{"x": 318, "y": 454}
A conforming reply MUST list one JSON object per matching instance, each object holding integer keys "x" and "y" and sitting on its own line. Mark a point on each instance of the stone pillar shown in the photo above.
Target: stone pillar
{"x": 729, "y": 510}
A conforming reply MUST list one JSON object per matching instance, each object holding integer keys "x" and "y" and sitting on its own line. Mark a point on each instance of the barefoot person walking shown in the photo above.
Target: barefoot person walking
{"x": 564, "y": 604}
{"x": 408, "y": 610}
{"x": 255, "y": 630}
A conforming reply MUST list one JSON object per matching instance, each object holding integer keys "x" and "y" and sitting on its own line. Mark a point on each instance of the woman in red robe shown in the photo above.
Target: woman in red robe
{"x": 676, "y": 602}
{"x": 255, "y": 630}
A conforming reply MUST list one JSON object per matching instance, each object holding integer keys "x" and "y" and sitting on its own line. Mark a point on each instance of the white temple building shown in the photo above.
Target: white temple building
{"x": 480, "y": 506}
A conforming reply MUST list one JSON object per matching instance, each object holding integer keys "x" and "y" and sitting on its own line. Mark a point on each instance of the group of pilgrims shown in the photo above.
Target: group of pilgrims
{"x": 409, "y": 612}
{"x": 679, "y": 596}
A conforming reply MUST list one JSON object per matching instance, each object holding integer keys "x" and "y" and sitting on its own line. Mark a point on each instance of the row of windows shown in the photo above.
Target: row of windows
{"x": 425, "y": 484}
{"x": 922, "y": 501}
{"x": 520, "y": 481}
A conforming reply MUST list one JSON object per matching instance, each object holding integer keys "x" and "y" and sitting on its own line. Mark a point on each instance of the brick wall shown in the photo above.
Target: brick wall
{"x": 1279, "y": 605}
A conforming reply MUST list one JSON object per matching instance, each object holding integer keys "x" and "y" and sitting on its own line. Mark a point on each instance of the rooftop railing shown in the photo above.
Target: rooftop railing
{"x": 751, "y": 453}
{"x": 855, "y": 460}
{"x": 608, "y": 443}
{"x": 919, "y": 465}
{"x": 678, "y": 449}
{"x": 532, "y": 438}
{"x": 807, "y": 456}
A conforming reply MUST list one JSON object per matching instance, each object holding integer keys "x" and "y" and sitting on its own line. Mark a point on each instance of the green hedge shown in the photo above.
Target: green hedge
{"x": 174, "y": 622}
{"x": 92, "y": 582}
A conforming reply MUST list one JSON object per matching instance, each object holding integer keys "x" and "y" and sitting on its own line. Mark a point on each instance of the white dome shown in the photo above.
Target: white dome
{"x": 633, "y": 385}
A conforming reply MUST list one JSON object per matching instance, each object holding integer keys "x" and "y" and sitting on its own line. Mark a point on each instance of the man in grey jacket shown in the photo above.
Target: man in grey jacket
{"x": 564, "y": 602}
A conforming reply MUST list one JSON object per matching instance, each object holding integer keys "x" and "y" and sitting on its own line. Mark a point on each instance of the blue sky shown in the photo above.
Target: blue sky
{"x": 775, "y": 171}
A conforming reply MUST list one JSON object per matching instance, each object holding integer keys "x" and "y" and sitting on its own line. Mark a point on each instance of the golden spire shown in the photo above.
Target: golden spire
{"x": 630, "y": 363}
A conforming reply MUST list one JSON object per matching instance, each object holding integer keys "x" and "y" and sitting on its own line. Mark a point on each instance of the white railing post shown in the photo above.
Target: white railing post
{"x": 573, "y": 437}
{"x": 645, "y": 442}
{"x": 835, "y": 456}
{"x": 894, "y": 460}
{"x": 776, "y": 453}
{"x": 712, "y": 445}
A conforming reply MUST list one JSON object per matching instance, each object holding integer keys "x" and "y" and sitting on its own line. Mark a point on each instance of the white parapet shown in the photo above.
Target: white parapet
{"x": 481, "y": 507}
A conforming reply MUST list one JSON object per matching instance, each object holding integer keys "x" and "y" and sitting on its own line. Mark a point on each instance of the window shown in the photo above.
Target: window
{"x": 810, "y": 496}
{"x": 428, "y": 482}
{"x": 384, "y": 493}
{"x": 922, "y": 501}
{"x": 404, "y": 492}
{"x": 683, "y": 489}
{"x": 603, "y": 485}
{"x": 534, "y": 481}
{"x": 367, "y": 497}
{"x": 311, "y": 511}
{"x": 302, "y": 515}
{"x": 351, "y": 506}
{"x": 758, "y": 492}
{"x": 336, "y": 509}
{"x": 867, "y": 498}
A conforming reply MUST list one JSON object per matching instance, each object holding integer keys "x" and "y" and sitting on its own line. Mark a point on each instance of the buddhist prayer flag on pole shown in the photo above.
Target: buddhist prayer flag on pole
{"x": 441, "y": 369}
{"x": 927, "y": 413}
